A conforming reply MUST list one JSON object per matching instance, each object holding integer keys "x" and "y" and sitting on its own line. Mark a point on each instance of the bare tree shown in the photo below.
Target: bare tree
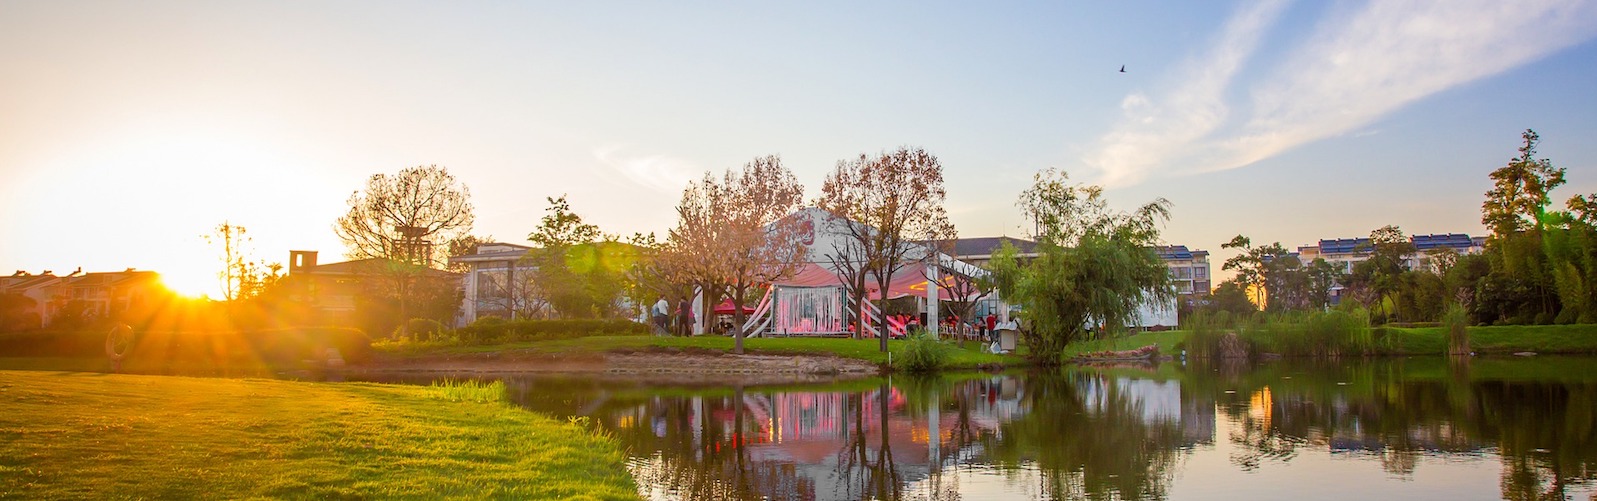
{"x": 848, "y": 261}
{"x": 736, "y": 233}
{"x": 963, "y": 284}
{"x": 399, "y": 218}
{"x": 897, "y": 198}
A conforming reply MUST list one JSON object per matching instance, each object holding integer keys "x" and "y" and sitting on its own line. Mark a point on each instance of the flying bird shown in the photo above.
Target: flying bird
{"x": 1122, "y": 68}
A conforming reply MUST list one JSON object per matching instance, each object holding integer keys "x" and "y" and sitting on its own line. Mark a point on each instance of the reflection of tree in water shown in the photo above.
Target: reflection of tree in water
{"x": 1544, "y": 432}
{"x": 1089, "y": 439}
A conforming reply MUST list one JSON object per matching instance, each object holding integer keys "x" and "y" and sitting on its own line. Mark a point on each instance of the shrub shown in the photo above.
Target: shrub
{"x": 419, "y": 329}
{"x": 497, "y": 330}
{"x": 283, "y": 346}
{"x": 923, "y": 352}
{"x": 52, "y": 343}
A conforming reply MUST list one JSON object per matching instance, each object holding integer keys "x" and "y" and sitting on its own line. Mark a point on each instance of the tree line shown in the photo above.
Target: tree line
{"x": 1539, "y": 264}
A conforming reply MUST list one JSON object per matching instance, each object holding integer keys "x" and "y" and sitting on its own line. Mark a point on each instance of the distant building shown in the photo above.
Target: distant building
{"x": 979, "y": 251}
{"x": 1189, "y": 269}
{"x": 353, "y": 293}
{"x": 94, "y": 295}
{"x": 495, "y": 282}
{"x": 1344, "y": 253}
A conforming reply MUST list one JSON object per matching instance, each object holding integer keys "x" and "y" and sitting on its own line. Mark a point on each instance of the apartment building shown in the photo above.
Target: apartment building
{"x": 1346, "y": 252}
{"x": 1189, "y": 269}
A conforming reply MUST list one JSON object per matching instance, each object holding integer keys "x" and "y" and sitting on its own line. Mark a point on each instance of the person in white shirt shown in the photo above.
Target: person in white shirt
{"x": 661, "y": 310}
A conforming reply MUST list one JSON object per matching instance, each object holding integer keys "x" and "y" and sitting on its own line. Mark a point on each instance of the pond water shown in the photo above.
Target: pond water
{"x": 1420, "y": 428}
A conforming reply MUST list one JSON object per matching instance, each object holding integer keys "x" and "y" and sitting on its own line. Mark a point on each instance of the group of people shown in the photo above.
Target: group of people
{"x": 663, "y": 316}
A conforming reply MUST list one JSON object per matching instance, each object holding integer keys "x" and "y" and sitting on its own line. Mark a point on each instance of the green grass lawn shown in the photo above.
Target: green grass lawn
{"x": 99, "y": 436}
{"x": 864, "y": 349}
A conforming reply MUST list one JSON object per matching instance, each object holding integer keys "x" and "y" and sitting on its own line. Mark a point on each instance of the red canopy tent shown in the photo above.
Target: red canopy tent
{"x": 726, "y": 308}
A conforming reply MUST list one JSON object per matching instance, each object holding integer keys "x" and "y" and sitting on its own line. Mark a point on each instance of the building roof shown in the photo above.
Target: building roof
{"x": 1422, "y": 243}
{"x": 1457, "y": 241}
{"x": 497, "y": 251}
{"x": 369, "y": 266}
{"x": 986, "y": 246}
{"x": 1168, "y": 252}
{"x": 1345, "y": 246}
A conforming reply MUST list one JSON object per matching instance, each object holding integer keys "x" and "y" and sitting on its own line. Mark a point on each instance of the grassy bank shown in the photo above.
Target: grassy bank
{"x": 863, "y": 349}
{"x": 97, "y": 436}
{"x": 1547, "y": 339}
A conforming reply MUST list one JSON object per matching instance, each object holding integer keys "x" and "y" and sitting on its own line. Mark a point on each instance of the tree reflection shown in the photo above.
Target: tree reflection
{"x": 1092, "y": 433}
{"x": 1090, "y": 438}
{"x": 1544, "y": 431}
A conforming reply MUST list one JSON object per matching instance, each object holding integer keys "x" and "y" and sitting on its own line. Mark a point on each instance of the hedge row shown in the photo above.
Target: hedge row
{"x": 280, "y": 346}
{"x": 498, "y": 330}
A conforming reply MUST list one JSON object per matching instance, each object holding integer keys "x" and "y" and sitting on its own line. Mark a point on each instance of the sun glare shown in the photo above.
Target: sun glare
{"x": 194, "y": 287}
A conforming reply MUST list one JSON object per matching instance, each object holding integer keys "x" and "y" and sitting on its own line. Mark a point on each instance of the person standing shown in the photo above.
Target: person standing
{"x": 992, "y": 321}
{"x": 662, "y": 308}
{"x": 685, "y": 318}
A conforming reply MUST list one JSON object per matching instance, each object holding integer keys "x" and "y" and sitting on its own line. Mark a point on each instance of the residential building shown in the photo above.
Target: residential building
{"x": 91, "y": 295}
{"x": 495, "y": 282}
{"x": 1346, "y": 252}
{"x": 1189, "y": 269}
{"x": 358, "y": 293}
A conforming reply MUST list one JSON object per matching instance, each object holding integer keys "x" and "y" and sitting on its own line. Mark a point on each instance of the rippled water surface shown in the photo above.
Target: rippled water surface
{"x": 1388, "y": 429}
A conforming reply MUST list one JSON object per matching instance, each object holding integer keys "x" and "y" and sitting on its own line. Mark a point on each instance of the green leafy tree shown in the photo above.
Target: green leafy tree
{"x": 1519, "y": 195}
{"x": 1322, "y": 278}
{"x": 576, "y": 269}
{"x": 1271, "y": 274}
{"x": 1232, "y": 296}
{"x": 1095, "y": 266}
{"x": 1523, "y": 286}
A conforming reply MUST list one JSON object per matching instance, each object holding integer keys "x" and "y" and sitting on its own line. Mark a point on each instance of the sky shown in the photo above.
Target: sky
{"x": 128, "y": 130}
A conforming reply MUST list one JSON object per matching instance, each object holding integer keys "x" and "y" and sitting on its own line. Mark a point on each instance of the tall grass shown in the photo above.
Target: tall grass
{"x": 1206, "y": 333}
{"x": 1316, "y": 334}
{"x": 1456, "y": 320}
{"x": 469, "y": 390}
{"x": 1327, "y": 334}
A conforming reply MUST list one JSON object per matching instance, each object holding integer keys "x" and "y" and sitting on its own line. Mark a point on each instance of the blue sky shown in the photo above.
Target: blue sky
{"x": 129, "y": 129}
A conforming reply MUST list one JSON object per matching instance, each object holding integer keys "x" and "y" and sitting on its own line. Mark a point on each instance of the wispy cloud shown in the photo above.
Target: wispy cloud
{"x": 1351, "y": 71}
{"x": 661, "y": 173}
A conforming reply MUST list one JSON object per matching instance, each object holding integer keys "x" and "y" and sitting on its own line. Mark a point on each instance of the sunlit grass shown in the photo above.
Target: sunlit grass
{"x": 100, "y": 436}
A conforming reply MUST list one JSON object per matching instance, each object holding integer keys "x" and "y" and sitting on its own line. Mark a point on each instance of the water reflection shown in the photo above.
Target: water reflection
{"x": 1381, "y": 429}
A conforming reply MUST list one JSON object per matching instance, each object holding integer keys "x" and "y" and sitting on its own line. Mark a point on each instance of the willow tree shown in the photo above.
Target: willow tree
{"x": 893, "y": 203}
{"x": 406, "y": 220}
{"x": 735, "y": 234}
{"x": 1095, "y": 267}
